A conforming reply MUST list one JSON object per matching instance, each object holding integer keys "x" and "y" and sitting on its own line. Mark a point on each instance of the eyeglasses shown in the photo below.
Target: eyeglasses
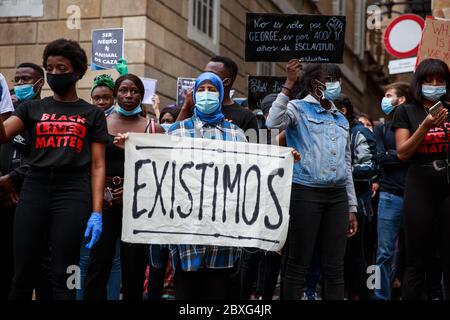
{"x": 25, "y": 79}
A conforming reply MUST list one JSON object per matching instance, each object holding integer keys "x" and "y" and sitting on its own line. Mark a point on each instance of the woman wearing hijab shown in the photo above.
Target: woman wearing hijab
{"x": 203, "y": 272}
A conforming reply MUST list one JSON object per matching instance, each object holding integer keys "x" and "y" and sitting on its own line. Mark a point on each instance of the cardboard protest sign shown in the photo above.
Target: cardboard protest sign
{"x": 261, "y": 86}
{"x": 206, "y": 192}
{"x": 107, "y": 48}
{"x": 183, "y": 86}
{"x": 150, "y": 89}
{"x": 435, "y": 40}
{"x": 282, "y": 37}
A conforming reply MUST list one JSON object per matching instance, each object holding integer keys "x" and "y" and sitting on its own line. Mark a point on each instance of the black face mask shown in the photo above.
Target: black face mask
{"x": 61, "y": 83}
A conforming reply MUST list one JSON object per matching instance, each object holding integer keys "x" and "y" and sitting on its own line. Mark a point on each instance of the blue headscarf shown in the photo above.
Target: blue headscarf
{"x": 216, "y": 81}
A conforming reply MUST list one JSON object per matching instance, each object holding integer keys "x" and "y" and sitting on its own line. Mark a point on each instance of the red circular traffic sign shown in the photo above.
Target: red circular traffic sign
{"x": 403, "y": 35}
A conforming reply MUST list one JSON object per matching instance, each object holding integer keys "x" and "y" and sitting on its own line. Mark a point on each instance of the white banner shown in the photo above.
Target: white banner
{"x": 206, "y": 192}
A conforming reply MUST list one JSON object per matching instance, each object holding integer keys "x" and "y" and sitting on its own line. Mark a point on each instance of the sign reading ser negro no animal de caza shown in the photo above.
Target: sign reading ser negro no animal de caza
{"x": 282, "y": 37}
{"x": 107, "y": 48}
{"x": 206, "y": 192}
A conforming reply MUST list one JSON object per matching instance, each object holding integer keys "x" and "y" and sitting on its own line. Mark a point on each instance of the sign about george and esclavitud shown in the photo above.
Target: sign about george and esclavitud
{"x": 206, "y": 192}
{"x": 107, "y": 48}
{"x": 282, "y": 37}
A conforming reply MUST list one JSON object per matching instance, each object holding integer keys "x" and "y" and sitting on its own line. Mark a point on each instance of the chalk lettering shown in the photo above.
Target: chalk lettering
{"x": 295, "y": 25}
{"x": 282, "y": 37}
{"x": 263, "y": 36}
{"x": 259, "y": 23}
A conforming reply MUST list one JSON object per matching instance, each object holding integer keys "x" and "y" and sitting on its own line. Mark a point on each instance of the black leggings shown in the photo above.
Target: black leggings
{"x": 133, "y": 261}
{"x": 54, "y": 208}
{"x": 316, "y": 215}
{"x": 427, "y": 198}
{"x": 157, "y": 275}
{"x": 355, "y": 263}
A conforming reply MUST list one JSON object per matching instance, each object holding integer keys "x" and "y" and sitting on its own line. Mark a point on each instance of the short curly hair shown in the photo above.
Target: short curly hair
{"x": 68, "y": 49}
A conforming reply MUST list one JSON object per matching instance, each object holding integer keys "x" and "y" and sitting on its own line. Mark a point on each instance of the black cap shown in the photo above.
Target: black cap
{"x": 266, "y": 103}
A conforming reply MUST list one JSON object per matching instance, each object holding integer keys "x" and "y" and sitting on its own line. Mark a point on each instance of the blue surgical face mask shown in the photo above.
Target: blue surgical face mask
{"x": 433, "y": 93}
{"x": 130, "y": 113}
{"x": 166, "y": 126}
{"x": 332, "y": 90}
{"x": 24, "y": 92}
{"x": 386, "y": 105}
{"x": 207, "y": 102}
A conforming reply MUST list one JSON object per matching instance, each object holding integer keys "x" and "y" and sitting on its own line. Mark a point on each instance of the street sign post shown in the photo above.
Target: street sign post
{"x": 402, "y": 65}
{"x": 403, "y": 35}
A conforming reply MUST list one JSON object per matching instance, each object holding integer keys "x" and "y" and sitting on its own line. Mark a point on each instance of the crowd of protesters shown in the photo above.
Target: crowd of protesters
{"x": 364, "y": 194}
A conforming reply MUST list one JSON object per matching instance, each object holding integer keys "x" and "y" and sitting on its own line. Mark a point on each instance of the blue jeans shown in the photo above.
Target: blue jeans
{"x": 113, "y": 288}
{"x": 390, "y": 215}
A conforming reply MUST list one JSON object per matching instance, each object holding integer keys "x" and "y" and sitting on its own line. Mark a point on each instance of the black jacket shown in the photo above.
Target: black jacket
{"x": 13, "y": 159}
{"x": 393, "y": 171}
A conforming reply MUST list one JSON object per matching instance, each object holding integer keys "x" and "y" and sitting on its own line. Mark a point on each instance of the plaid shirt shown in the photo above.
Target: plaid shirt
{"x": 194, "y": 257}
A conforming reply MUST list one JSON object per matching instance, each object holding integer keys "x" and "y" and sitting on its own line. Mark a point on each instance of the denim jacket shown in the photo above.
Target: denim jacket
{"x": 321, "y": 137}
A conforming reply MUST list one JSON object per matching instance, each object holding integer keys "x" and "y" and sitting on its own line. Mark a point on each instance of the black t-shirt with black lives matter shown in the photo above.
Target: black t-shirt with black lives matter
{"x": 435, "y": 144}
{"x": 61, "y": 132}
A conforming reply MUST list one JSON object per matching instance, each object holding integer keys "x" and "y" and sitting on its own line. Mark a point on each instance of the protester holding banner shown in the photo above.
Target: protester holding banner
{"x": 422, "y": 138}
{"x": 392, "y": 187}
{"x": 102, "y": 93}
{"x": 102, "y": 96}
{"x": 364, "y": 168}
{"x": 323, "y": 197}
{"x": 129, "y": 92}
{"x": 203, "y": 272}
{"x": 227, "y": 70}
{"x": 66, "y": 172}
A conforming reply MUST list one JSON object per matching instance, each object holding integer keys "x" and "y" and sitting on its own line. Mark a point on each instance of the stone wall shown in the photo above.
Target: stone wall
{"x": 156, "y": 41}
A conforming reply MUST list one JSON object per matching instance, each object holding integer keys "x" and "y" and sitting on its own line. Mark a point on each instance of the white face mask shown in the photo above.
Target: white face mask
{"x": 332, "y": 90}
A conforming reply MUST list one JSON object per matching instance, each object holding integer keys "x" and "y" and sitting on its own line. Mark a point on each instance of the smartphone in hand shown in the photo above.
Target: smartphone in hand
{"x": 434, "y": 110}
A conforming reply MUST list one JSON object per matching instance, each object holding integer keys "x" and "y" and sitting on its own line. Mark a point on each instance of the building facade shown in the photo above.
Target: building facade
{"x": 166, "y": 39}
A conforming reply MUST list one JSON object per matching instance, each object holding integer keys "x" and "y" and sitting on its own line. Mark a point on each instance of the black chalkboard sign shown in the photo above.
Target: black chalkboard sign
{"x": 261, "y": 86}
{"x": 282, "y": 37}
